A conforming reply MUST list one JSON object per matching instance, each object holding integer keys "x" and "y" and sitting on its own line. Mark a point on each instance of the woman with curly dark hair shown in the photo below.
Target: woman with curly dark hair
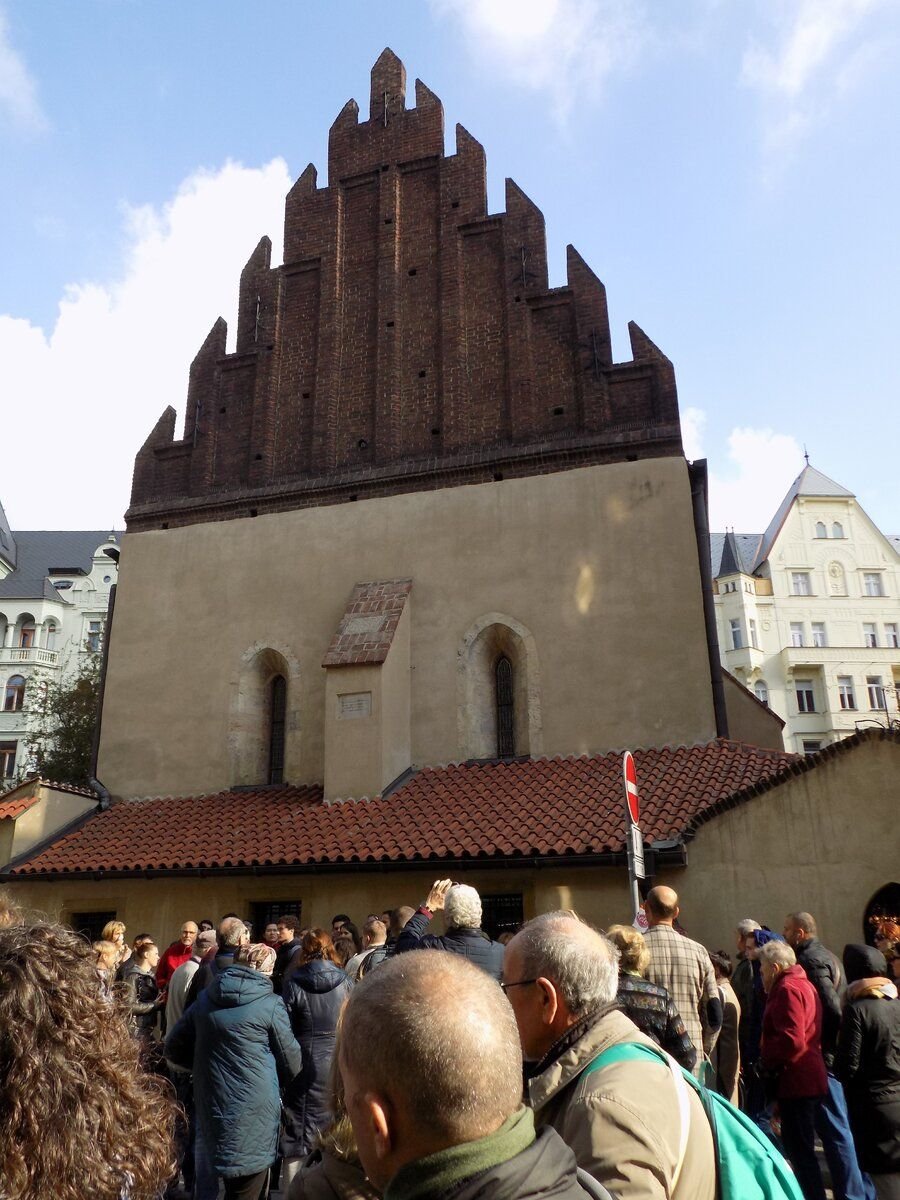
{"x": 78, "y": 1116}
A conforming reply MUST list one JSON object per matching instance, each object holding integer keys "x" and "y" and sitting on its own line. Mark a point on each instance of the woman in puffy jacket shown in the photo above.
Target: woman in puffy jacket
{"x": 314, "y": 995}
{"x": 868, "y": 1064}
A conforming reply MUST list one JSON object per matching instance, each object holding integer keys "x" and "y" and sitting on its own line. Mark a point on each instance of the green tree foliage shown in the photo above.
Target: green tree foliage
{"x": 63, "y": 719}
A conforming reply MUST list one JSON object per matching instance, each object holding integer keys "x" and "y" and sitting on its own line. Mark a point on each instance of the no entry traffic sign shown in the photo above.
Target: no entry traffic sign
{"x": 631, "y": 788}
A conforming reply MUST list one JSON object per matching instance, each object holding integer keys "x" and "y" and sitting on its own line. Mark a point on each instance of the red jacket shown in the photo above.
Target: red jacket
{"x": 169, "y": 960}
{"x": 792, "y": 1036}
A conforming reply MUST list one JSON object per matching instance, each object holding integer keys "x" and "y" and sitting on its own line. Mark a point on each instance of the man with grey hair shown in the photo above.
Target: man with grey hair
{"x": 742, "y": 981}
{"x": 624, "y": 1119}
{"x": 464, "y": 936}
{"x": 231, "y": 934}
{"x": 436, "y": 1108}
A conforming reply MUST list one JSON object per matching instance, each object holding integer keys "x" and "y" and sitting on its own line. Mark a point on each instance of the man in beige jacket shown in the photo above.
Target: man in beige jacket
{"x": 636, "y": 1126}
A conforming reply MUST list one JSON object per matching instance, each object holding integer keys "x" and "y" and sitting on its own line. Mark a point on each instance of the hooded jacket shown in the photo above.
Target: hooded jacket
{"x": 237, "y": 1040}
{"x": 314, "y": 995}
{"x": 473, "y": 944}
{"x": 868, "y": 1064}
{"x": 792, "y": 1036}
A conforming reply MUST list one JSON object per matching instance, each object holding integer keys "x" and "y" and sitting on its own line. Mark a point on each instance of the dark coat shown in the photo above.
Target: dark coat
{"x": 792, "y": 1036}
{"x": 868, "y": 1064}
{"x": 473, "y": 944}
{"x": 141, "y": 995}
{"x": 654, "y": 1012}
{"x": 314, "y": 995}
{"x": 283, "y": 956}
{"x": 824, "y": 972}
{"x": 237, "y": 1040}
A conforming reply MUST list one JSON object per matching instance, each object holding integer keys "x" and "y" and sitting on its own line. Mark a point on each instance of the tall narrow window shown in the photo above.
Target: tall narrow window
{"x": 821, "y": 531}
{"x": 870, "y": 635}
{"x": 846, "y": 693}
{"x": 796, "y": 633}
{"x": 278, "y": 697}
{"x": 761, "y": 691}
{"x": 875, "y": 688}
{"x": 837, "y": 530}
{"x": 15, "y": 693}
{"x": 754, "y": 640}
{"x": 892, "y": 634}
{"x": 7, "y": 760}
{"x": 737, "y": 640}
{"x": 506, "y": 734}
{"x": 819, "y": 637}
{"x": 805, "y": 699}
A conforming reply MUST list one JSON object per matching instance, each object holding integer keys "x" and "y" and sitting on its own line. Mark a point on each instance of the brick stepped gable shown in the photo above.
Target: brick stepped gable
{"x": 409, "y": 341}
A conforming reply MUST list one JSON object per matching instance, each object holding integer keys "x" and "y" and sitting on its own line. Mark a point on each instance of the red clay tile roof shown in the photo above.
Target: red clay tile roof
{"x": 559, "y": 807}
{"x": 15, "y": 808}
{"x": 368, "y": 626}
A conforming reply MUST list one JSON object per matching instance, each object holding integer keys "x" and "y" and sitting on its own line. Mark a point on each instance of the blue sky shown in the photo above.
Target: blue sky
{"x": 729, "y": 170}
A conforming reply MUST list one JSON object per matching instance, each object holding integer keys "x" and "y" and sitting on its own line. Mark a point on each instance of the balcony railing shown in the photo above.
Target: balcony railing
{"x": 32, "y": 656}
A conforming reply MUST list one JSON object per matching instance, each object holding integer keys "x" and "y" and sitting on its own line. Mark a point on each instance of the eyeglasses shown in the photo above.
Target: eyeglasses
{"x": 519, "y": 983}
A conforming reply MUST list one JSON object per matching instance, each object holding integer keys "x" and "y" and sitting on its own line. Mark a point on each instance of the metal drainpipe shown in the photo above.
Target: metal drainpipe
{"x": 698, "y": 476}
{"x": 95, "y": 783}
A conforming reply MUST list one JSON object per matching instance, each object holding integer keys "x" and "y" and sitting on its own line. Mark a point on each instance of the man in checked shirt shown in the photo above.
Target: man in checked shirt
{"x": 684, "y": 969}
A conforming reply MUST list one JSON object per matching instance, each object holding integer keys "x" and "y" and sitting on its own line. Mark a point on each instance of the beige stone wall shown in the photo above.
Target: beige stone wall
{"x": 599, "y": 564}
{"x": 160, "y": 905}
{"x": 748, "y": 720}
{"x": 52, "y": 813}
{"x": 824, "y": 841}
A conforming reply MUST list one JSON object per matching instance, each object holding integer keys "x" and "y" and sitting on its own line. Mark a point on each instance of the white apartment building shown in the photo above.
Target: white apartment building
{"x": 808, "y": 614}
{"x": 54, "y": 595}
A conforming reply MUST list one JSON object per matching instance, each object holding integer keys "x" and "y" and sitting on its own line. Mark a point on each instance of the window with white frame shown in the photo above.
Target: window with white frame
{"x": 811, "y": 747}
{"x": 846, "y": 693}
{"x": 14, "y": 696}
{"x": 870, "y": 635}
{"x": 94, "y": 635}
{"x": 796, "y": 633}
{"x": 872, "y": 583}
{"x": 737, "y": 639}
{"x": 837, "y": 530}
{"x": 892, "y": 634}
{"x": 821, "y": 531}
{"x": 761, "y": 692}
{"x": 754, "y": 639}
{"x": 818, "y": 634}
{"x": 875, "y": 688}
{"x": 800, "y": 583}
{"x": 806, "y": 701}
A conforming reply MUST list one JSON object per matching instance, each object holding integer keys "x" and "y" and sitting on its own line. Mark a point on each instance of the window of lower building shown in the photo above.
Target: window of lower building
{"x": 796, "y": 633}
{"x": 15, "y": 694}
{"x": 737, "y": 639}
{"x": 7, "y": 759}
{"x": 94, "y": 635}
{"x": 502, "y": 913}
{"x": 846, "y": 693}
{"x": 870, "y": 635}
{"x": 875, "y": 688}
{"x": 810, "y": 746}
{"x": 90, "y": 924}
{"x": 837, "y": 530}
{"x": 761, "y": 691}
{"x": 800, "y": 583}
{"x": 818, "y": 634}
{"x": 892, "y": 634}
{"x": 805, "y": 699}
{"x": 873, "y": 584}
{"x": 754, "y": 639}
{"x": 267, "y": 912}
{"x": 821, "y": 531}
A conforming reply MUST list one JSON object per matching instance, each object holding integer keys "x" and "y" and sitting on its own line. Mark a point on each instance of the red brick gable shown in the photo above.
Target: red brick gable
{"x": 368, "y": 626}
{"x": 559, "y": 808}
{"x": 409, "y": 340}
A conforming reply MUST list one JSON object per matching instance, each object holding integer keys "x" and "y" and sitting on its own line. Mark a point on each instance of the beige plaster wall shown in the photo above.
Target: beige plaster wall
{"x": 160, "y": 905}
{"x": 748, "y": 720}
{"x": 824, "y": 842}
{"x": 53, "y": 811}
{"x": 599, "y": 564}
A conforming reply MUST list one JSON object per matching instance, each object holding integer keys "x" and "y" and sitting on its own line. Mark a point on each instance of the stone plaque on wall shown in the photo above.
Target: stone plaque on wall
{"x": 352, "y": 705}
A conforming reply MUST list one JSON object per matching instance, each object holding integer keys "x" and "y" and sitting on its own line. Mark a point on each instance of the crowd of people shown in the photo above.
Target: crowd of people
{"x": 557, "y": 1061}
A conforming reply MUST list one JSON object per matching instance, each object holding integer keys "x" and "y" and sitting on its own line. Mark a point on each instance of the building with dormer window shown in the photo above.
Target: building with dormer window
{"x": 808, "y": 614}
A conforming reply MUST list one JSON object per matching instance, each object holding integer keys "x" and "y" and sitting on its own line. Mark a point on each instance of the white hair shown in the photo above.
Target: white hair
{"x": 583, "y": 963}
{"x": 463, "y": 907}
{"x": 779, "y": 953}
{"x": 747, "y": 926}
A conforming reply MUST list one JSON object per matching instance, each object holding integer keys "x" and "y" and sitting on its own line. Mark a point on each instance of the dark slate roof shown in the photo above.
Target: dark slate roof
{"x": 7, "y": 541}
{"x": 39, "y": 550}
{"x": 742, "y": 550}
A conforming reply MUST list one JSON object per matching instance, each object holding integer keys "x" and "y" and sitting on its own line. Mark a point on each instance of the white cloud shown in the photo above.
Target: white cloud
{"x": 806, "y": 64}
{"x": 18, "y": 91}
{"x": 761, "y": 467}
{"x": 567, "y": 48}
{"x": 88, "y": 394}
{"x": 693, "y": 423}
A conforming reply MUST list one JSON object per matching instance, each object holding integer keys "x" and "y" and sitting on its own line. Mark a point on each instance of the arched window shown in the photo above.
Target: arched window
{"x": 15, "y": 694}
{"x": 26, "y": 635}
{"x": 837, "y": 530}
{"x": 761, "y": 691}
{"x": 821, "y": 531}
{"x": 278, "y": 700}
{"x": 506, "y": 730}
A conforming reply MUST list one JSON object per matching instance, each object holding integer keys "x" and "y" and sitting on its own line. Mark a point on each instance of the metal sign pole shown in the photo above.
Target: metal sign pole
{"x": 634, "y": 843}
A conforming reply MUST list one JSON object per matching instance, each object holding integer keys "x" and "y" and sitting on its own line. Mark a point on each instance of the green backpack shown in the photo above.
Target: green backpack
{"x": 748, "y": 1166}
